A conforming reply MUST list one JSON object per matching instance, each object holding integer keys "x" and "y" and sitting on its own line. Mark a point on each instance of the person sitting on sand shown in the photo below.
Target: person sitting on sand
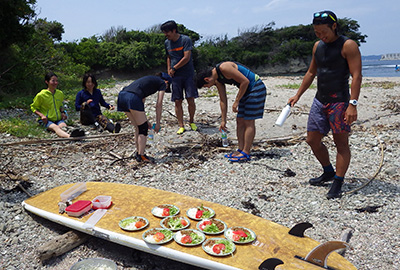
{"x": 334, "y": 58}
{"x": 131, "y": 101}
{"x": 88, "y": 102}
{"x": 48, "y": 105}
{"x": 248, "y": 104}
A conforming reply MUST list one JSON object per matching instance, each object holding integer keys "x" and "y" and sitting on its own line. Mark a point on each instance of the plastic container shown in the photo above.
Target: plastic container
{"x": 224, "y": 138}
{"x": 151, "y": 135}
{"x": 284, "y": 114}
{"x": 78, "y": 208}
{"x": 73, "y": 192}
{"x": 94, "y": 263}
{"x": 101, "y": 202}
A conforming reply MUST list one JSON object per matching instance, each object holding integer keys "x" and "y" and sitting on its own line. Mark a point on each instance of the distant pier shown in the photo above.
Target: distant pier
{"x": 390, "y": 56}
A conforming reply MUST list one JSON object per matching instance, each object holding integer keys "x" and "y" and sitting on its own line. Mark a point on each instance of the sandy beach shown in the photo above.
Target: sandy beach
{"x": 193, "y": 164}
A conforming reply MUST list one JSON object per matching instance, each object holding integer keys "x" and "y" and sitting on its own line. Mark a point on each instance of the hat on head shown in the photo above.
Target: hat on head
{"x": 166, "y": 77}
{"x": 324, "y": 17}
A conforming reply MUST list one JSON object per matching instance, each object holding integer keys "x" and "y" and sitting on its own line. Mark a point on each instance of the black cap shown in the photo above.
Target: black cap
{"x": 324, "y": 17}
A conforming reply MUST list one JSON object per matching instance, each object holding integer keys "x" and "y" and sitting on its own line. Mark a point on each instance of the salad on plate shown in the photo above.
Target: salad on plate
{"x": 189, "y": 237}
{"x": 240, "y": 235}
{"x": 134, "y": 223}
{"x": 219, "y": 246}
{"x": 165, "y": 210}
{"x": 200, "y": 212}
{"x": 211, "y": 226}
{"x": 157, "y": 236}
{"x": 175, "y": 223}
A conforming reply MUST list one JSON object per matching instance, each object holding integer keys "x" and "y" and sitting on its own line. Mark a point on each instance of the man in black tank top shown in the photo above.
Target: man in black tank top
{"x": 334, "y": 59}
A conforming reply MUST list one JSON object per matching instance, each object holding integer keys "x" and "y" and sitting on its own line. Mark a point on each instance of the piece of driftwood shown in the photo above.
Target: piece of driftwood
{"x": 61, "y": 244}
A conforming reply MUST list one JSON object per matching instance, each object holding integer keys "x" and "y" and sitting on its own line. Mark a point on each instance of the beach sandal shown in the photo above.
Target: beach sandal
{"x": 231, "y": 154}
{"x": 193, "y": 126}
{"x": 180, "y": 131}
{"x": 242, "y": 158}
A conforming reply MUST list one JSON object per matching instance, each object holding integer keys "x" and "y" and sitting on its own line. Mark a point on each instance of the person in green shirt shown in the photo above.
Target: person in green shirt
{"x": 48, "y": 105}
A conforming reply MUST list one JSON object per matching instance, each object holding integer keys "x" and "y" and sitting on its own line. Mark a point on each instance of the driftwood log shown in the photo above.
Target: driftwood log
{"x": 61, "y": 244}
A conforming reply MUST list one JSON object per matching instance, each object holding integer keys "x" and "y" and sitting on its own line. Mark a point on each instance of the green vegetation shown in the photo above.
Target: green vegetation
{"x": 22, "y": 128}
{"x": 295, "y": 86}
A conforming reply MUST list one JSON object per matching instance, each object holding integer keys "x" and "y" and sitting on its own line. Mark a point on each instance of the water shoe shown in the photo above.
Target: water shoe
{"x": 193, "y": 126}
{"x": 180, "y": 131}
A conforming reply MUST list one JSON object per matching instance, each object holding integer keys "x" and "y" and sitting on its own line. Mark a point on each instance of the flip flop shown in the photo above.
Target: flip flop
{"x": 242, "y": 158}
{"x": 231, "y": 154}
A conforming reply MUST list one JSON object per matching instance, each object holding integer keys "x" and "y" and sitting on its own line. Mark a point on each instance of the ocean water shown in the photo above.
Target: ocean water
{"x": 380, "y": 68}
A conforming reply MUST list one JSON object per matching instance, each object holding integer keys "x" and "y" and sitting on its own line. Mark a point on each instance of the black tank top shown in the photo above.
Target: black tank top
{"x": 332, "y": 72}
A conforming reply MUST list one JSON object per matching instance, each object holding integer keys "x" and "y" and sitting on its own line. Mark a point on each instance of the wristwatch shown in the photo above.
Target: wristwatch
{"x": 353, "y": 102}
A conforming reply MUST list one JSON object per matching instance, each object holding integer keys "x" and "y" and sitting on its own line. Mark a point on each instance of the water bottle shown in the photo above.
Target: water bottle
{"x": 151, "y": 135}
{"x": 224, "y": 138}
{"x": 284, "y": 114}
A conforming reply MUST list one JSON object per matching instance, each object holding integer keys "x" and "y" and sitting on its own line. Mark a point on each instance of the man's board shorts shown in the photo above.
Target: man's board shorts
{"x": 324, "y": 117}
{"x": 129, "y": 101}
{"x": 179, "y": 83}
{"x": 251, "y": 105}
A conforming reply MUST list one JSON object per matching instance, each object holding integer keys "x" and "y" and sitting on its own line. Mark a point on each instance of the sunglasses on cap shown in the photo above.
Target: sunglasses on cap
{"x": 324, "y": 15}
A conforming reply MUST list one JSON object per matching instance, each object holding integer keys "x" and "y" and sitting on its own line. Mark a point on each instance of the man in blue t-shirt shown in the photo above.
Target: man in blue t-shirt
{"x": 180, "y": 67}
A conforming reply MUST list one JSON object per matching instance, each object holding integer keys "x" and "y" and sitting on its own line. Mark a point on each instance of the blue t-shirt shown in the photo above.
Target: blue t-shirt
{"x": 146, "y": 86}
{"x": 97, "y": 98}
{"x": 175, "y": 50}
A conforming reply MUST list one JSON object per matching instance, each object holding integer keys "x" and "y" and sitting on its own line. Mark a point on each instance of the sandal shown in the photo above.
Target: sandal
{"x": 242, "y": 158}
{"x": 231, "y": 154}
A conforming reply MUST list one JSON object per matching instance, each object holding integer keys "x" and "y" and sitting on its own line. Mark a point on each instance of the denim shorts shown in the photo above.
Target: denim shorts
{"x": 179, "y": 83}
{"x": 129, "y": 101}
{"x": 324, "y": 117}
{"x": 40, "y": 121}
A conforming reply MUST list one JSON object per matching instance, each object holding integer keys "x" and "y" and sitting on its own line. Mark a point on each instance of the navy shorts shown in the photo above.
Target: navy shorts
{"x": 324, "y": 117}
{"x": 179, "y": 83}
{"x": 251, "y": 105}
{"x": 129, "y": 101}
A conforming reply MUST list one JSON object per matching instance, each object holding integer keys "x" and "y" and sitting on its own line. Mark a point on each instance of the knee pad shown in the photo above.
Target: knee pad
{"x": 143, "y": 128}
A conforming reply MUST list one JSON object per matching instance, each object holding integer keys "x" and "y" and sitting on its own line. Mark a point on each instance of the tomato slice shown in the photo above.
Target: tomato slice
{"x": 199, "y": 213}
{"x": 139, "y": 224}
{"x": 159, "y": 237}
{"x": 186, "y": 239}
{"x": 216, "y": 249}
{"x": 241, "y": 233}
{"x": 235, "y": 237}
{"x": 183, "y": 222}
{"x": 165, "y": 212}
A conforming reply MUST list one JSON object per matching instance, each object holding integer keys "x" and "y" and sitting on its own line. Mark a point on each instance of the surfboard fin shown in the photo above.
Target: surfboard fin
{"x": 319, "y": 254}
{"x": 270, "y": 264}
{"x": 299, "y": 229}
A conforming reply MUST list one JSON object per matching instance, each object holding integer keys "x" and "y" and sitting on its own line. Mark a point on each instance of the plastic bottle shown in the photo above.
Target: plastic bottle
{"x": 151, "y": 135}
{"x": 284, "y": 114}
{"x": 224, "y": 138}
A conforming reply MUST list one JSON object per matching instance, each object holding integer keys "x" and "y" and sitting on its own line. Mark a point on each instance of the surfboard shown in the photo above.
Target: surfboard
{"x": 274, "y": 247}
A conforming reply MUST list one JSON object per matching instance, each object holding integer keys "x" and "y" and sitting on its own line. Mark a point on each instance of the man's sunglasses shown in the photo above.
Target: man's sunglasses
{"x": 323, "y": 16}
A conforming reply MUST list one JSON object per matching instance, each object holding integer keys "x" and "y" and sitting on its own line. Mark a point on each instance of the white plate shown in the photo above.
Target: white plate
{"x": 179, "y": 234}
{"x": 191, "y": 213}
{"x": 229, "y": 233}
{"x": 164, "y": 223}
{"x": 208, "y": 246}
{"x": 158, "y": 210}
{"x": 213, "y": 221}
{"x": 153, "y": 232}
{"x": 137, "y": 218}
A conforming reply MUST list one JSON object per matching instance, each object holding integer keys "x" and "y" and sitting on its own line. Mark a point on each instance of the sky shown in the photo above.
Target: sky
{"x": 217, "y": 18}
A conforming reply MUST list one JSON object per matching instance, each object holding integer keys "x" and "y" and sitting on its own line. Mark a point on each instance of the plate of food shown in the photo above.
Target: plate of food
{"x": 175, "y": 223}
{"x": 157, "y": 236}
{"x": 218, "y": 246}
{"x": 240, "y": 235}
{"x": 200, "y": 212}
{"x": 165, "y": 210}
{"x": 189, "y": 237}
{"x": 134, "y": 223}
{"x": 211, "y": 226}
